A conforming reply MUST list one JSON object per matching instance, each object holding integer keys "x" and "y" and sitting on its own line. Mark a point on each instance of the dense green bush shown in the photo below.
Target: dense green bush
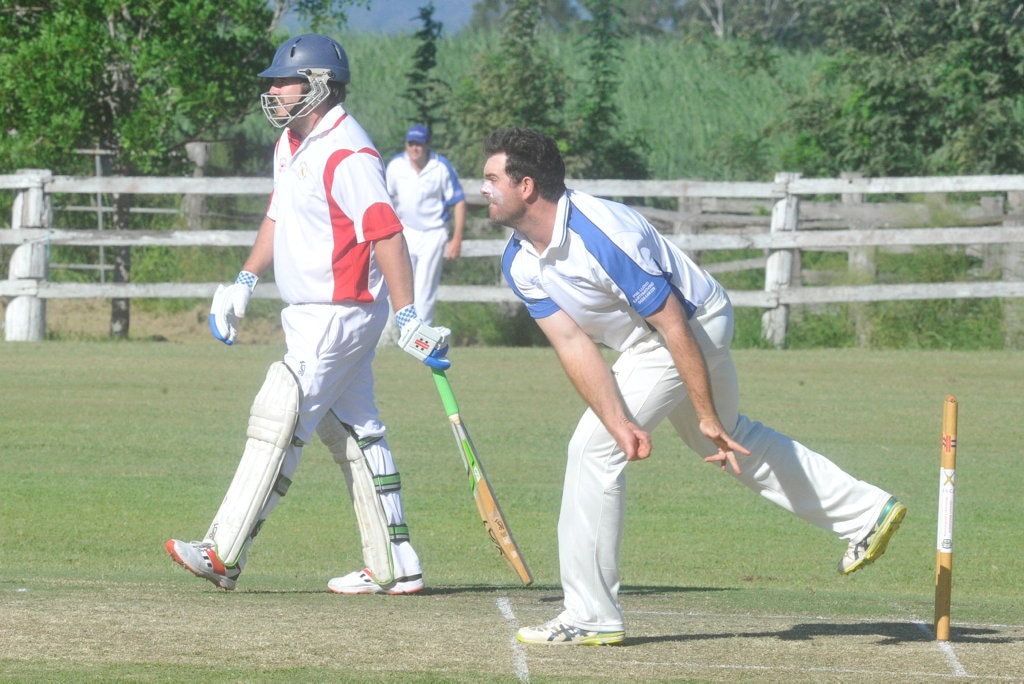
{"x": 706, "y": 110}
{"x": 699, "y": 106}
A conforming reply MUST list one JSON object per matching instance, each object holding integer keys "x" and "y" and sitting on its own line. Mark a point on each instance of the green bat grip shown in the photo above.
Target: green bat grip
{"x": 451, "y": 407}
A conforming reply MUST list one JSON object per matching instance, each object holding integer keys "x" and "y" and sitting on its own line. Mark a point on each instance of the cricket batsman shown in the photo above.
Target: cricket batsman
{"x": 337, "y": 250}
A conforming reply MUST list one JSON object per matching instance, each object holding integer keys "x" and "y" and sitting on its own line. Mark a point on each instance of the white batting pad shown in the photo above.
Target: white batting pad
{"x": 373, "y": 522}
{"x": 272, "y": 420}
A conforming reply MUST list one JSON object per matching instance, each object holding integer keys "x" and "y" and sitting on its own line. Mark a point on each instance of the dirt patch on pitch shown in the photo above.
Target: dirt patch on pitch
{"x": 187, "y": 630}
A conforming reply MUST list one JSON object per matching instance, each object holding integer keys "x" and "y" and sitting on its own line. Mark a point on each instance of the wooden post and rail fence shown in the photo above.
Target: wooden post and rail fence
{"x": 773, "y": 223}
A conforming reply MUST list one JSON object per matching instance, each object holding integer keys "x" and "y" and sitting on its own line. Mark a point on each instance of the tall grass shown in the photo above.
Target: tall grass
{"x": 696, "y": 104}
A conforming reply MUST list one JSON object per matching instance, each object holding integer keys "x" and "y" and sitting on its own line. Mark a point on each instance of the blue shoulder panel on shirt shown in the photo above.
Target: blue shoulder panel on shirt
{"x": 457, "y": 194}
{"x": 646, "y": 292}
{"x": 537, "y": 308}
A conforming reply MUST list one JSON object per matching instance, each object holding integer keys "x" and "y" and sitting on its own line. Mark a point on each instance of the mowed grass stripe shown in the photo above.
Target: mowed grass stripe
{"x": 109, "y": 449}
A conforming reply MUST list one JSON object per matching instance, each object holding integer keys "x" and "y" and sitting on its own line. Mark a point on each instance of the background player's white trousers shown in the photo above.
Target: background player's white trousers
{"x": 780, "y": 469}
{"x": 426, "y": 251}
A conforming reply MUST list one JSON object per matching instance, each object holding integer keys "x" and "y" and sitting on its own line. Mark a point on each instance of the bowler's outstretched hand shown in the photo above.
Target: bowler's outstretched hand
{"x": 727, "y": 446}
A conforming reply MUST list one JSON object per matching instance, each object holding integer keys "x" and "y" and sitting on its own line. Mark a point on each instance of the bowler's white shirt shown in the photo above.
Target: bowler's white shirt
{"x": 607, "y": 267}
{"x": 423, "y": 199}
{"x": 330, "y": 203}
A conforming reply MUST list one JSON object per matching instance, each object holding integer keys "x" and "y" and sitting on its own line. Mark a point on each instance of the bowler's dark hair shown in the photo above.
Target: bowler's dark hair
{"x": 530, "y": 154}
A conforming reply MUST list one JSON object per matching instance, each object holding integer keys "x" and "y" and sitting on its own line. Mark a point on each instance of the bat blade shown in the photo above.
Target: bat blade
{"x": 487, "y": 505}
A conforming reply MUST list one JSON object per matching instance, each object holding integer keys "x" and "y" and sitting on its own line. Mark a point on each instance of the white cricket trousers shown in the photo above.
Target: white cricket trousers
{"x": 426, "y": 251}
{"x": 780, "y": 469}
{"x": 330, "y": 350}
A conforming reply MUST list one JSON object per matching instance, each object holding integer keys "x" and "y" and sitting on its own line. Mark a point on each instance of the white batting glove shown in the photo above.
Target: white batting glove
{"x": 428, "y": 344}
{"x": 229, "y": 304}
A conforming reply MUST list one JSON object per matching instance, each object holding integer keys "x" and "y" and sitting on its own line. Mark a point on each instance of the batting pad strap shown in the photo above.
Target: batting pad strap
{"x": 398, "y": 533}
{"x": 367, "y": 441}
{"x": 282, "y": 484}
{"x": 387, "y": 483}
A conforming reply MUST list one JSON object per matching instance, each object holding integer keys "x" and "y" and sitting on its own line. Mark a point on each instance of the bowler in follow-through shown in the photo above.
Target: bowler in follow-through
{"x": 592, "y": 272}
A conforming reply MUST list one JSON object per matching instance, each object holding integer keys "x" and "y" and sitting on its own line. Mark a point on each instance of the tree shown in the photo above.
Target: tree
{"x": 916, "y": 87}
{"x": 139, "y": 79}
{"x": 599, "y": 148}
{"x": 428, "y": 94}
{"x": 321, "y": 16}
{"x": 136, "y": 79}
{"x": 558, "y": 14}
{"x": 518, "y": 85}
{"x": 768, "y": 21}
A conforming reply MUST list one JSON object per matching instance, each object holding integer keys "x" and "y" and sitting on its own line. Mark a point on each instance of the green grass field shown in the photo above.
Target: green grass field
{"x": 108, "y": 449}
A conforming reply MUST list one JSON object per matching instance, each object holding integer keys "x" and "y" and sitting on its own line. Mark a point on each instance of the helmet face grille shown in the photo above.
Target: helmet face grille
{"x": 280, "y": 111}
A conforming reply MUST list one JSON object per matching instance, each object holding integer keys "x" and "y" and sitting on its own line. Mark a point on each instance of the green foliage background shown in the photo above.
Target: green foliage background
{"x": 926, "y": 92}
{"x": 136, "y": 79}
{"x": 919, "y": 87}
{"x": 705, "y": 110}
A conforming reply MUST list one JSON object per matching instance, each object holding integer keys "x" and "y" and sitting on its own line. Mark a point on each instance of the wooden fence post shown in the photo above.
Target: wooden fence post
{"x": 195, "y": 205}
{"x": 25, "y": 316}
{"x": 1013, "y": 269}
{"x": 999, "y": 208}
{"x": 861, "y": 266}
{"x": 689, "y": 209}
{"x": 778, "y": 271}
{"x": 120, "y": 308}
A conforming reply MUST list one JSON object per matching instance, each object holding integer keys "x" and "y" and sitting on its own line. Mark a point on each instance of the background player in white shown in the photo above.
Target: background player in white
{"x": 595, "y": 272}
{"x": 337, "y": 248}
{"x": 426, "y": 192}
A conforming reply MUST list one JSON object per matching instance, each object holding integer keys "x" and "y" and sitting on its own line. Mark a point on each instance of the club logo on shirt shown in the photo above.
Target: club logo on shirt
{"x": 645, "y": 291}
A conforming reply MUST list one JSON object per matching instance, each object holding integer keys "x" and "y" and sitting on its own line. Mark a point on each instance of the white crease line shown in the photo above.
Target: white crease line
{"x": 947, "y": 650}
{"x": 518, "y": 654}
{"x": 880, "y": 675}
{"x": 783, "y": 616}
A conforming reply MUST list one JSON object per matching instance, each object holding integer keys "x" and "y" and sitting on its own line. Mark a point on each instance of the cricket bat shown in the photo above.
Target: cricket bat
{"x": 494, "y": 520}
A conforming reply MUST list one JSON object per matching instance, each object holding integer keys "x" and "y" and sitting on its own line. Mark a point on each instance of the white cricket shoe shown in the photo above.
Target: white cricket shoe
{"x": 558, "y": 633}
{"x": 200, "y": 558}
{"x": 362, "y": 582}
{"x": 868, "y": 549}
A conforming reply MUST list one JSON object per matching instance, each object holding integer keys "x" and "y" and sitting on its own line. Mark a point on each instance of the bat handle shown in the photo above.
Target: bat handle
{"x": 451, "y": 407}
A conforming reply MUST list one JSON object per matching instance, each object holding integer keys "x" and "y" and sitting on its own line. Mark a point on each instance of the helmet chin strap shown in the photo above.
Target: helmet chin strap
{"x": 318, "y": 92}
